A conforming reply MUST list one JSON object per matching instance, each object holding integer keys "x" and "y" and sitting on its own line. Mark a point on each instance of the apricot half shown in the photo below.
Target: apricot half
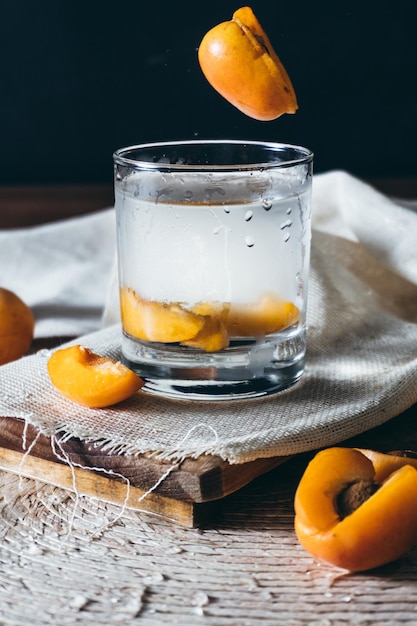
{"x": 157, "y": 321}
{"x": 213, "y": 337}
{"x": 207, "y": 326}
{"x": 89, "y": 379}
{"x": 16, "y": 327}
{"x": 381, "y": 525}
{"x": 269, "y": 315}
{"x": 240, "y": 63}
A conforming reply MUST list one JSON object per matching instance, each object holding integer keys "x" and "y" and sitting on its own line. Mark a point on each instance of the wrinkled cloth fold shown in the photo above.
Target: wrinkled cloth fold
{"x": 61, "y": 270}
{"x": 361, "y": 365}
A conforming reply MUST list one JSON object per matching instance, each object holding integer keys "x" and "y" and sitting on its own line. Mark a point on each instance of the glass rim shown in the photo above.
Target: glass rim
{"x": 304, "y": 155}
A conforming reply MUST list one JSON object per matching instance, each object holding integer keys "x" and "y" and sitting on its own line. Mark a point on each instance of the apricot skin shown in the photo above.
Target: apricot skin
{"x": 239, "y": 62}
{"x": 16, "y": 327}
{"x": 380, "y": 530}
{"x": 89, "y": 379}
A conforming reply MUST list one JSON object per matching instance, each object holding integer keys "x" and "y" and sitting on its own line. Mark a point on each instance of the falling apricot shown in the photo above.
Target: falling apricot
{"x": 89, "y": 379}
{"x": 16, "y": 327}
{"x": 239, "y": 61}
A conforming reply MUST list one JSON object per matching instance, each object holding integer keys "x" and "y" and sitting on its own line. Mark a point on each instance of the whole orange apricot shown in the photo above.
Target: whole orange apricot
{"x": 16, "y": 327}
{"x": 239, "y": 61}
{"x": 90, "y": 379}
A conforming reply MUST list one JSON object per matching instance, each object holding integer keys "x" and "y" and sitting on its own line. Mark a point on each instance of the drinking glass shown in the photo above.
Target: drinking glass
{"x": 213, "y": 254}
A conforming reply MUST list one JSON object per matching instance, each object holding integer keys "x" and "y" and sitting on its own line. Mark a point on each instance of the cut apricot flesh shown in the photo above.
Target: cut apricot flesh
{"x": 90, "y": 379}
{"x": 213, "y": 337}
{"x": 16, "y": 327}
{"x": 208, "y": 326}
{"x": 269, "y": 315}
{"x": 156, "y": 321}
{"x": 240, "y": 63}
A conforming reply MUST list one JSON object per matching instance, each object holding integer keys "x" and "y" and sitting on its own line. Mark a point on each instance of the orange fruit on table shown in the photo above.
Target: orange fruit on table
{"x": 239, "y": 61}
{"x": 90, "y": 379}
{"x": 16, "y": 327}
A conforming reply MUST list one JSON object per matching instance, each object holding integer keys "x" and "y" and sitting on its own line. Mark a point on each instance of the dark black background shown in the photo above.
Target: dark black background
{"x": 80, "y": 79}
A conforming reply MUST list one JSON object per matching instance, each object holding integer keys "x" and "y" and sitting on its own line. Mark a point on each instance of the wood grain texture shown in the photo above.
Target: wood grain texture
{"x": 190, "y": 483}
{"x": 88, "y": 483}
{"x": 31, "y": 205}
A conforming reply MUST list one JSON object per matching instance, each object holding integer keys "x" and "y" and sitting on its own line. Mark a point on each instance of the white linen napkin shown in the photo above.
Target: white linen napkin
{"x": 361, "y": 365}
{"x": 61, "y": 270}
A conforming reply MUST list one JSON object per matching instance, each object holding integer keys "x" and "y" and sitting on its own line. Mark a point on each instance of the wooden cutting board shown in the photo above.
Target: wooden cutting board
{"x": 181, "y": 493}
{"x": 185, "y": 494}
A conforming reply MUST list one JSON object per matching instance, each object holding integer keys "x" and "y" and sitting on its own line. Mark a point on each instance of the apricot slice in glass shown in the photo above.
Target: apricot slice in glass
{"x": 158, "y": 321}
{"x": 267, "y": 316}
{"x": 239, "y": 61}
{"x": 16, "y": 327}
{"x": 90, "y": 379}
{"x": 213, "y": 337}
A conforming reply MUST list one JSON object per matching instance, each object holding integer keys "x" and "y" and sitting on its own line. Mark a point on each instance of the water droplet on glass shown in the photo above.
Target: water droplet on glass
{"x": 250, "y": 242}
{"x": 289, "y": 211}
{"x": 226, "y": 209}
{"x": 286, "y": 224}
{"x": 286, "y": 237}
{"x": 267, "y": 204}
{"x": 216, "y": 230}
{"x": 248, "y": 216}
{"x": 300, "y": 283}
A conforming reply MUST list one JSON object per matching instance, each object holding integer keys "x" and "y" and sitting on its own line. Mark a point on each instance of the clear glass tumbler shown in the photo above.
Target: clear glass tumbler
{"x": 213, "y": 254}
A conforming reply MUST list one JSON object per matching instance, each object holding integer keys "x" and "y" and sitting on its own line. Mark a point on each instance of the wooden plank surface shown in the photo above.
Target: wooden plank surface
{"x": 31, "y": 205}
{"x": 180, "y": 493}
{"x": 88, "y": 483}
{"x": 176, "y": 491}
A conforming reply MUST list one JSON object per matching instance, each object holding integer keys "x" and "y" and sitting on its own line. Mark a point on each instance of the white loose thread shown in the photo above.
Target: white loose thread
{"x": 72, "y": 464}
{"x": 26, "y": 453}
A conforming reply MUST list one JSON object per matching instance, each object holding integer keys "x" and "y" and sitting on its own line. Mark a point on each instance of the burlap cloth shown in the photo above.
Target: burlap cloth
{"x": 361, "y": 366}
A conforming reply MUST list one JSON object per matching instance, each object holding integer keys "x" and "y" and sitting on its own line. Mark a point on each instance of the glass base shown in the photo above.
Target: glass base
{"x": 246, "y": 369}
